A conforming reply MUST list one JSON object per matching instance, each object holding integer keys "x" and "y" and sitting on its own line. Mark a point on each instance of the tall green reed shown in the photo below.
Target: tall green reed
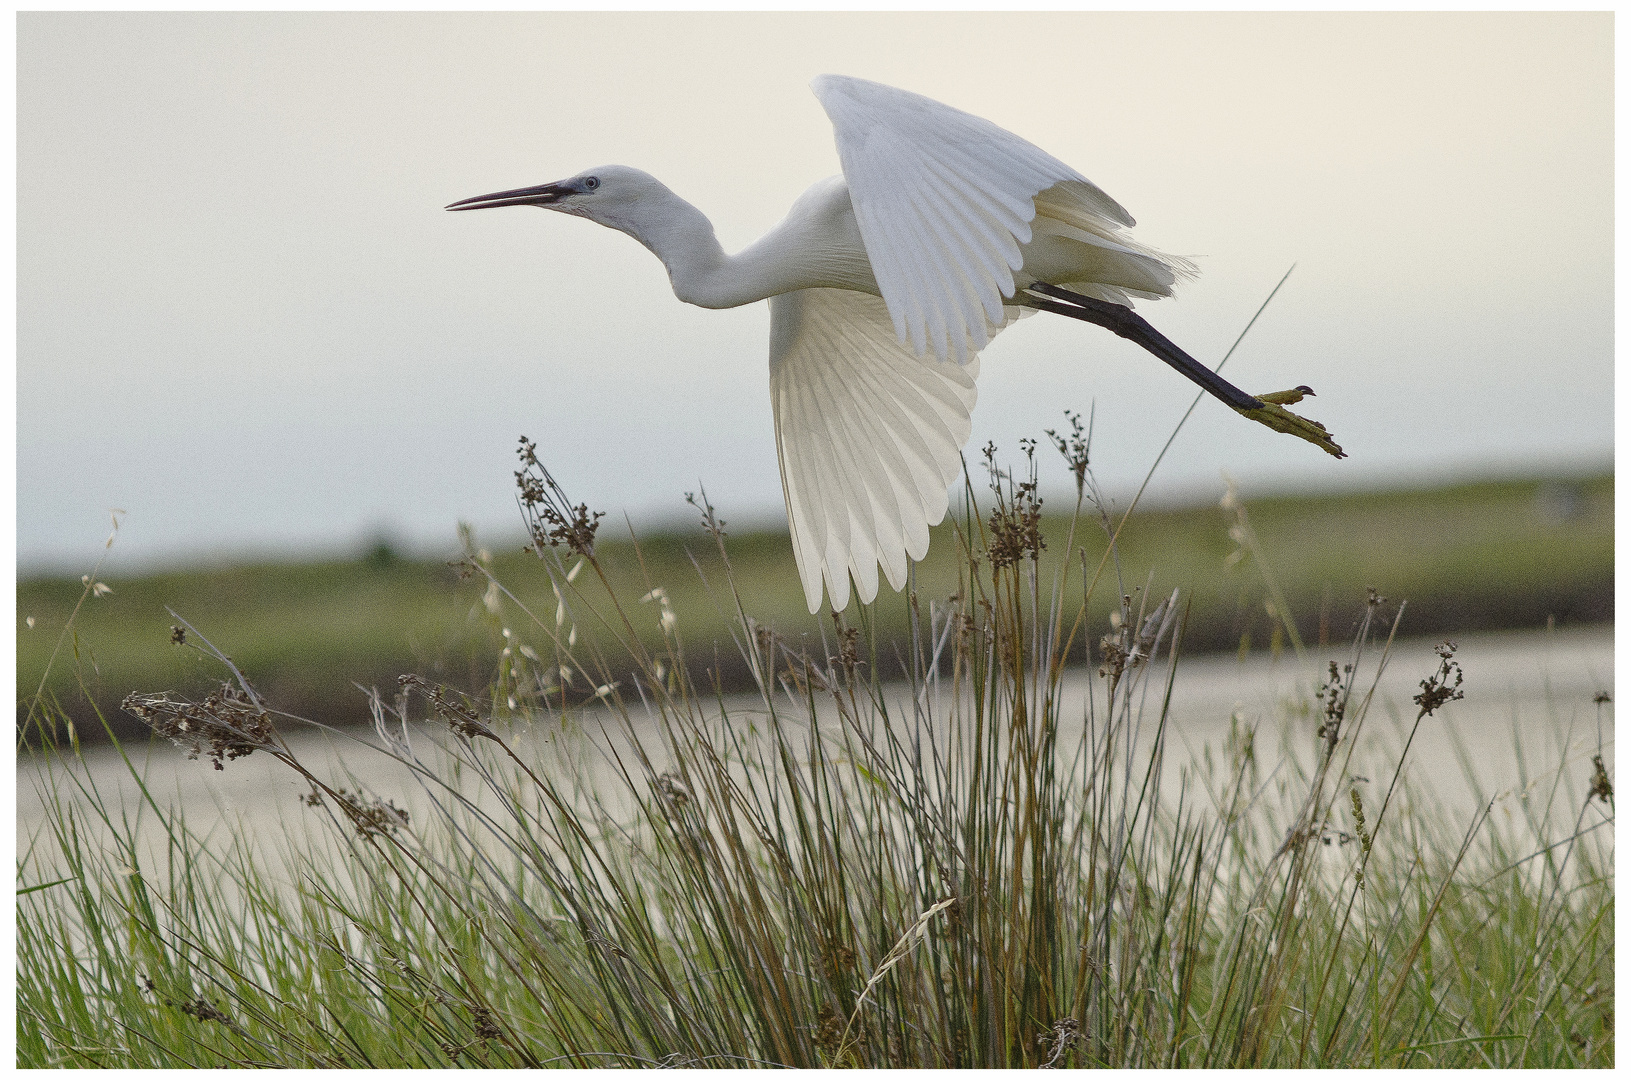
{"x": 936, "y": 856}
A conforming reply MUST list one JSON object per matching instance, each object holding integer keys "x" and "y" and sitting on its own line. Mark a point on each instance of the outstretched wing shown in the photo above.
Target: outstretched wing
{"x": 869, "y": 437}
{"x": 944, "y": 201}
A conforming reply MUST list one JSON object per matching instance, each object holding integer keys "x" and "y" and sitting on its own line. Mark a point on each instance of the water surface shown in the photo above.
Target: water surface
{"x": 1524, "y": 735}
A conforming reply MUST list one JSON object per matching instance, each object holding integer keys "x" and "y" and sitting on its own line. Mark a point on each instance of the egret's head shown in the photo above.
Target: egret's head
{"x": 606, "y": 195}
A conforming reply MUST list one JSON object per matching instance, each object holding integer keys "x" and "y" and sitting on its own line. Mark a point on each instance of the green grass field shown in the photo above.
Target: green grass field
{"x": 947, "y": 868}
{"x": 1478, "y": 556}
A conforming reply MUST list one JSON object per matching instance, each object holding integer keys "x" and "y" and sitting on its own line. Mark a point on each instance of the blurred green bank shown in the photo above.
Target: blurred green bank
{"x": 1481, "y": 556}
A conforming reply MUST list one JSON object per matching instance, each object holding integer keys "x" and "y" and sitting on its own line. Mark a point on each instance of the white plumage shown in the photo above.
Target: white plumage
{"x": 885, "y": 283}
{"x": 944, "y": 201}
{"x": 868, "y": 435}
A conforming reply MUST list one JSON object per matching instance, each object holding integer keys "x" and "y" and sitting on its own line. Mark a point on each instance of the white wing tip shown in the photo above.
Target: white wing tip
{"x": 809, "y": 578}
{"x": 822, "y": 85}
{"x": 837, "y": 587}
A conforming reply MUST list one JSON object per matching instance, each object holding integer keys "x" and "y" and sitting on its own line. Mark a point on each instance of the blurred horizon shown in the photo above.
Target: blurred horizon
{"x": 245, "y": 320}
{"x": 1058, "y": 496}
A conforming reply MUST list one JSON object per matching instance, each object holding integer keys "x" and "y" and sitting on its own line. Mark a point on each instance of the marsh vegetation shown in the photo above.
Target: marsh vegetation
{"x": 896, "y": 850}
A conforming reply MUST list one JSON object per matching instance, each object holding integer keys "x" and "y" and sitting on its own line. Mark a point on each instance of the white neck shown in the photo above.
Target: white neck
{"x": 702, "y": 274}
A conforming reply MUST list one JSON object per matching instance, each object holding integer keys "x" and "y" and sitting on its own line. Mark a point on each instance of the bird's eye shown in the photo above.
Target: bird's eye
{"x": 591, "y": 182}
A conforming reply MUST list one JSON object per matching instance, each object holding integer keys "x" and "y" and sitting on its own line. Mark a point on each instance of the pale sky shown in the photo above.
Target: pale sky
{"x": 245, "y": 319}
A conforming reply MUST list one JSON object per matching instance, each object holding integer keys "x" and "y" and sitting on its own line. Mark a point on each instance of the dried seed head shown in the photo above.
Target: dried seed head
{"x": 829, "y": 1028}
{"x": 371, "y": 815}
{"x": 1074, "y": 449}
{"x": 1057, "y": 1039}
{"x": 459, "y": 714}
{"x": 671, "y": 789}
{"x": 1333, "y": 696}
{"x": 1016, "y": 519}
{"x": 1444, "y": 685}
{"x": 849, "y": 656}
{"x": 227, "y": 725}
{"x": 1016, "y": 531}
{"x": 1114, "y": 657}
{"x": 204, "y": 1009}
{"x": 483, "y": 1022}
{"x": 552, "y": 520}
{"x": 712, "y": 522}
{"x": 1601, "y": 786}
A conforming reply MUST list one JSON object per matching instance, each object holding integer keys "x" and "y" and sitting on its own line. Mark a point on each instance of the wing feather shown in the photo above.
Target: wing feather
{"x": 869, "y": 437}
{"x": 848, "y": 522}
{"x": 944, "y": 200}
{"x": 806, "y": 517}
{"x": 890, "y": 484}
{"x": 988, "y": 242}
{"x": 884, "y": 504}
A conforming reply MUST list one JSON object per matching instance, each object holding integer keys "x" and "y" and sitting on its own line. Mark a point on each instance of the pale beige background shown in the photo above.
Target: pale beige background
{"x": 244, "y": 317}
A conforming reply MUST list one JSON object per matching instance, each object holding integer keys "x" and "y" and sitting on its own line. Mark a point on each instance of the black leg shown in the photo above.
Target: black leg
{"x": 1122, "y": 322}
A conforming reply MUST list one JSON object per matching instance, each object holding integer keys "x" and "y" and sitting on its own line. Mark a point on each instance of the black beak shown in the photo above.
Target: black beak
{"x": 542, "y": 195}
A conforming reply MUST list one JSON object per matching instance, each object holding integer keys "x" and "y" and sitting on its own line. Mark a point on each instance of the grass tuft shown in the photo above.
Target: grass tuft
{"x": 929, "y": 854}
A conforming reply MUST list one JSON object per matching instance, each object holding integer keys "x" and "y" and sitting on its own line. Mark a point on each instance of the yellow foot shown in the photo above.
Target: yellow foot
{"x": 1281, "y": 419}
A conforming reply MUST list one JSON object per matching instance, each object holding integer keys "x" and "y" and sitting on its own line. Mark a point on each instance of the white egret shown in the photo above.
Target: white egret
{"x": 884, "y": 284}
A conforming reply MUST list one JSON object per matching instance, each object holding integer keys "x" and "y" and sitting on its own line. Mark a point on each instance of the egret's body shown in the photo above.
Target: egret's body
{"x": 884, "y": 284}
